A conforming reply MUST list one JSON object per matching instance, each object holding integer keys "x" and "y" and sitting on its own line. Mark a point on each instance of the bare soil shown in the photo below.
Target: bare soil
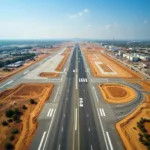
{"x": 16, "y": 98}
{"x": 49, "y": 74}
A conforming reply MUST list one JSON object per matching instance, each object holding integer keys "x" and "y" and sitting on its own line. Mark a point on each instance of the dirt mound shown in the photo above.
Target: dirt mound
{"x": 117, "y": 93}
{"x": 49, "y": 74}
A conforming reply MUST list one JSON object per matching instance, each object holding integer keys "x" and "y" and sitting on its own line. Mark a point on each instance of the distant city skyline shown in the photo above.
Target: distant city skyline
{"x": 57, "y": 19}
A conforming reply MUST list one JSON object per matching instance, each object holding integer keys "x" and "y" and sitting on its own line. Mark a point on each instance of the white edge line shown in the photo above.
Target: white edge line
{"x": 95, "y": 94}
{"x": 103, "y": 130}
{"x": 76, "y": 120}
{"x": 41, "y": 141}
{"x": 56, "y": 94}
{"x": 110, "y": 144}
{"x": 49, "y": 129}
{"x": 103, "y": 112}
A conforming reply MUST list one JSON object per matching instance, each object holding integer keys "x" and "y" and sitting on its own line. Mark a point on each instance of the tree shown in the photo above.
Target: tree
{"x": 5, "y": 123}
{"x": 15, "y": 131}
{"x": 15, "y": 117}
{"x": 10, "y": 120}
{"x": 32, "y": 101}
{"x": 9, "y": 113}
{"x": 24, "y": 107}
{"x": 9, "y": 146}
{"x": 12, "y": 137}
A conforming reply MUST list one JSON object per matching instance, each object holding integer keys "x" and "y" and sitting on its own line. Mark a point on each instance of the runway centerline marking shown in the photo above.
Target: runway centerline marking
{"x": 39, "y": 148}
{"x": 103, "y": 130}
{"x": 76, "y": 120}
{"x": 56, "y": 94}
{"x": 49, "y": 129}
{"x": 110, "y": 144}
{"x": 91, "y": 147}
{"x": 95, "y": 94}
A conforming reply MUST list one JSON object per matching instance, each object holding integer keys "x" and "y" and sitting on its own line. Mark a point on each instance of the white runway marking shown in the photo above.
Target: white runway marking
{"x": 103, "y": 130}
{"x": 39, "y": 148}
{"x": 49, "y": 112}
{"x": 26, "y": 72}
{"x": 95, "y": 94}
{"x": 56, "y": 94}
{"x": 76, "y": 119}
{"x": 110, "y": 144}
{"x": 49, "y": 130}
{"x": 103, "y": 112}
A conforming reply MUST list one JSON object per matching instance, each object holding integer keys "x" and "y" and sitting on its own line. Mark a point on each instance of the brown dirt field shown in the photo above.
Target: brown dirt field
{"x": 49, "y": 74}
{"x": 105, "y": 68}
{"x": 6, "y": 75}
{"x": 121, "y": 70}
{"x": 28, "y": 125}
{"x": 62, "y": 63}
{"x": 125, "y": 127}
{"x": 117, "y": 93}
{"x": 68, "y": 50}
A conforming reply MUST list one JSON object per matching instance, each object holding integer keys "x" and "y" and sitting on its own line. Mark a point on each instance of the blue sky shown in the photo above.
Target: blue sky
{"x": 98, "y": 19}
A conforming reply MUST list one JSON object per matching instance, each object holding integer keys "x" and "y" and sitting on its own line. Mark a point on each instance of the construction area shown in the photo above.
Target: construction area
{"x": 56, "y": 65}
{"x": 52, "y": 67}
{"x": 104, "y": 66}
{"x": 19, "y": 109}
{"x": 117, "y": 93}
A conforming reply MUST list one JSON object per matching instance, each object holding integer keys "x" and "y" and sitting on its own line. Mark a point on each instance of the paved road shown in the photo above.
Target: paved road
{"x": 88, "y": 132}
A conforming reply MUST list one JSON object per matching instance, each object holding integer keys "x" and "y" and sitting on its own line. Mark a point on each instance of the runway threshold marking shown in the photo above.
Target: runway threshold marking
{"x": 95, "y": 94}
{"x": 102, "y": 112}
{"x": 110, "y": 144}
{"x": 39, "y": 148}
{"x": 103, "y": 130}
{"x": 56, "y": 94}
{"x": 76, "y": 119}
{"x": 50, "y": 125}
{"x": 49, "y": 112}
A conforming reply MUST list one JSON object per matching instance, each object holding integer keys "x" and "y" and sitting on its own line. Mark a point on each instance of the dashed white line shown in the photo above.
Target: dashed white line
{"x": 26, "y": 72}
{"x": 89, "y": 129}
{"x": 56, "y": 94}
{"x": 59, "y": 147}
{"x": 103, "y": 130}
{"x": 76, "y": 119}
{"x": 49, "y": 129}
{"x": 110, "y": 144}
{"x": 62, "y": 129}
{"x": 10, "y": 82}
{"x": 91, "y": 147}
{"x": 39, "y": 148}
{"x": 76, "y": 81}
{"x": 95, "y": 94}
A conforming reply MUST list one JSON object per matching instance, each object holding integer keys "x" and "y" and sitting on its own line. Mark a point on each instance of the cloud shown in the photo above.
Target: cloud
{"x": 73, "y": 16}
{"x": 145, "y": 21}
{"x": 89, "y": 25}
{"x": 111, "y": 26}
{"x": 78, "y": 14}
{"x": 85, "y": 10}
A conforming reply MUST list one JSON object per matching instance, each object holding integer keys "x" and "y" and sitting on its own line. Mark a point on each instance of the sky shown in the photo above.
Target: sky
{"x": 91, "y": 19}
